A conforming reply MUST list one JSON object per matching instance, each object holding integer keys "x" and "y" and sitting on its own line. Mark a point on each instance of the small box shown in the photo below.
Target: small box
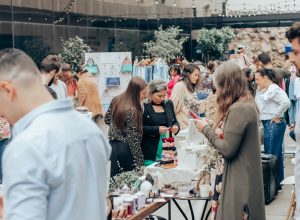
{"x": 188, "y": 159}
{"x": 141, "y": 202}
{"x": 112, "y": 81}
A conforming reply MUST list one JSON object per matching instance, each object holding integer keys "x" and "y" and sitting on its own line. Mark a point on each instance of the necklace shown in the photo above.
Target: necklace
{"x": 161, "y": 104}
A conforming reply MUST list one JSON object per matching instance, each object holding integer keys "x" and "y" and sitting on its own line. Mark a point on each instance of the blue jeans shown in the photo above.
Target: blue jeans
{"x": 3, "y": 144}
{"x": 273, "y": 139}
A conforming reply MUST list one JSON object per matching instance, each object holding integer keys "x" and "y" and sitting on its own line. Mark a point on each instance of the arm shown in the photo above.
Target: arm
{"x": 234, "y": 130}
{"x": 177, "y": 97}
{"x": 25, "y": 178}
{"x": 134, "y": 137}
{"x": 82, "y": 93}
{"x": 175, "y": 122}
{"x": 75, "y": 88}
{"x": 108, "y": 115}
{"x": 150, "y": 130}
{"x": 284, "y": 103}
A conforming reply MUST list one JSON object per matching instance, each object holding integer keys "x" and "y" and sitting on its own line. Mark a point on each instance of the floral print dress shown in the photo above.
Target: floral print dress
{"x": 130, "y": 135}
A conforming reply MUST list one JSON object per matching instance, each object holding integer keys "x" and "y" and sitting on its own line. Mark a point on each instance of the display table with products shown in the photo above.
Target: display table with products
{"x": 174, "y": 174}
{"x": 193, "y": 198}
{"x": 154, "y": 206}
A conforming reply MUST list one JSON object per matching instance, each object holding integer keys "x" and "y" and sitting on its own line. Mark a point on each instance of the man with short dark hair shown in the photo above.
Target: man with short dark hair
{"x": 293, "y": 35}
{"x": 53, "y": 63}
{"x": 49, "y": 68}
{"x": 264, "y": 61}
{"x": 55, "y": 166}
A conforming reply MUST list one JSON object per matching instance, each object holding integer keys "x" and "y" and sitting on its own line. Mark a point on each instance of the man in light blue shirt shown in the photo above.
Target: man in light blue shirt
{"x": 55, "y": 166}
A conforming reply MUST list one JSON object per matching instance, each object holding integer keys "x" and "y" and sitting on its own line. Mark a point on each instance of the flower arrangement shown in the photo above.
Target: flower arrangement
{"x": 211, "y": 157}
{"x": 123, "y": 179}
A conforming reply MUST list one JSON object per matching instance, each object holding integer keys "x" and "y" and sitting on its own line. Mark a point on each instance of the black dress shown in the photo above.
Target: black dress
{"x": 151, "y": 122}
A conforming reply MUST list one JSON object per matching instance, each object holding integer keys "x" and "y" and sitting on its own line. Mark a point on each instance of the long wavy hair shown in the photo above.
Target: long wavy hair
{"x": 186, "y": 72}
{"x": 231, "y": 87}
{"x": 128, "y": 99}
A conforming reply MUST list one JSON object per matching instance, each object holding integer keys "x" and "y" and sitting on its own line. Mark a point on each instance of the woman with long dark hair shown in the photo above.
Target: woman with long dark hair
{"x": 124, "y": 118}
{"x": 242, "y": 183}
{"x": 184, "y": 95}
{"x": 272, "y": 102}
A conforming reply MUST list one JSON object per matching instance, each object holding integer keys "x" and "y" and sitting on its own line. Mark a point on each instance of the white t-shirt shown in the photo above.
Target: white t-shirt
{"x": 60, "y": 88}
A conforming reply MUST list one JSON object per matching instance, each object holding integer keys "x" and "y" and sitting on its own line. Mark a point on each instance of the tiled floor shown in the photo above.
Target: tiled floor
{"x": 278, "y": 208}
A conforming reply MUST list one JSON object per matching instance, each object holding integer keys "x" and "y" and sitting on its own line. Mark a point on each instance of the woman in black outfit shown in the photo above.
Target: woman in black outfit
{"x": 158, "y": 119}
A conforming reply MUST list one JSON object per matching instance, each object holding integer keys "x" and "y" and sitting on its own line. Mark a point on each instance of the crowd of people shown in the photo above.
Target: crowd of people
{"x": 54, "y": 162}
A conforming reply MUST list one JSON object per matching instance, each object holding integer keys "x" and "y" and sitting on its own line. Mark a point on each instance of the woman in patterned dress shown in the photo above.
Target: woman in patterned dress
{"x": 124, "y": 118}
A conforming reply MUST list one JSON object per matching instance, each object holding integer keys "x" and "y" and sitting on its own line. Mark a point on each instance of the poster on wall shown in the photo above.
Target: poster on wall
{"x": 112, "y": 71}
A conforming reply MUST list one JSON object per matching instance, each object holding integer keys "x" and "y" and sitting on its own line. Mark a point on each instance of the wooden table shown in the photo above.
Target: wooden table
{"x": 151, "y": 208}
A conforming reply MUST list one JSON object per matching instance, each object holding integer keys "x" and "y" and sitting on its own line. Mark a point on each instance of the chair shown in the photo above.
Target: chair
{"x": 292, "y": 206}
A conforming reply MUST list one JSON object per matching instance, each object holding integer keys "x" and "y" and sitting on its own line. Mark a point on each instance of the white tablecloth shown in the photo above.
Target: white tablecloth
{"x": 173, "y": 175}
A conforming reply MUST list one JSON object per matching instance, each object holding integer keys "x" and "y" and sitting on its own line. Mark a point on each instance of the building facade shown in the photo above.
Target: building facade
{"x": 38, "y": 26}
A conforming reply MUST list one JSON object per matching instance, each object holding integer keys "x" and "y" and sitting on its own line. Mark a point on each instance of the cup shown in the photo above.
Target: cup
{"x": 183, "y": 190}
{"x": 182, "y": 144}
{"x": 204, "y": 190}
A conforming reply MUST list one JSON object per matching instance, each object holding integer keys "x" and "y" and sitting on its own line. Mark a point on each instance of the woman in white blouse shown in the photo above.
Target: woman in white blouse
{"x": 272, "y": 102}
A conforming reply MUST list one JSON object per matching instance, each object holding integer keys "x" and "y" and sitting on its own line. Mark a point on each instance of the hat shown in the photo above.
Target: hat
{"x": 241, "y": 47}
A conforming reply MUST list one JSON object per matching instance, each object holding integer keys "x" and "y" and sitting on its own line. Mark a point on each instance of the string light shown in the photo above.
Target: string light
{"x": 193, "y": 6}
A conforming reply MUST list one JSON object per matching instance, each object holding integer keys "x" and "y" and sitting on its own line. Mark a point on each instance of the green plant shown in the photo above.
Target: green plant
{"x": 214, "y": 42}
{"x": 210, "y": 159}
{"x": 73, "y": 51}
{"x": 125, "y": 178}
{"x": 167, "y": 43}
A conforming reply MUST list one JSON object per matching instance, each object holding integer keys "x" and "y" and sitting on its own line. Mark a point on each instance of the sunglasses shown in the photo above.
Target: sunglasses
{"x": 161, "y": 87}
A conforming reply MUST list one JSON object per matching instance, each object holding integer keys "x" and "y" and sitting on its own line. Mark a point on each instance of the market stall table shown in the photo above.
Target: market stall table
{"x": 193, "y": 198}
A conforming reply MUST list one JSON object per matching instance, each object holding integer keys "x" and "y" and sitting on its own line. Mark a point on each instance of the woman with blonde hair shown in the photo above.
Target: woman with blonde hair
{"x": 242, "y": 184}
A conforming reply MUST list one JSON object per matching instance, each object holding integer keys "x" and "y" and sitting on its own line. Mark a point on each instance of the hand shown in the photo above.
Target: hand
{"x": 163, "y": 129}
{"x": 201, "y": 123}
{"x": 276, "y": 120}
{"x": 292, "y": 127}
{"x": 174, "y": 129}
{"x": 219, "y": 132}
